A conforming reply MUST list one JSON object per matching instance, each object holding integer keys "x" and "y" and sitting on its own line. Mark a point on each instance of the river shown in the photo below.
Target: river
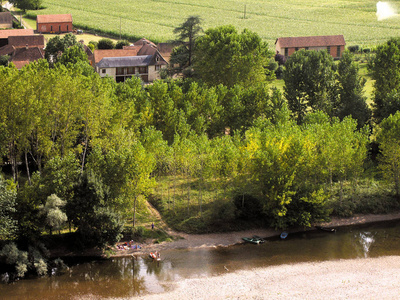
{"x": 135, "y": 276}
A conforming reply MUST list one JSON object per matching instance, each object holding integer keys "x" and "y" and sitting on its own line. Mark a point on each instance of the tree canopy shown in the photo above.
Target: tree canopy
{"x": 224, "y": 56}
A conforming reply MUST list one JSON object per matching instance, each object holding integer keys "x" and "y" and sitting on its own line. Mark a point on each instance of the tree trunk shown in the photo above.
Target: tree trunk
{"x": 134, "y": 211}
{"x": 27, "y": 168}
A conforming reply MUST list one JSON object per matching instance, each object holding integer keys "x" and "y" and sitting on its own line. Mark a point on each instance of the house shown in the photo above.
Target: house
{"x": 54, "y": 23}
{"x": 23, "y": 50}
{"x": 333, "y": 44}
{"x": 143, "y": 61}
{"x": 6, "y": 19}
{"x": 4, "y": 34}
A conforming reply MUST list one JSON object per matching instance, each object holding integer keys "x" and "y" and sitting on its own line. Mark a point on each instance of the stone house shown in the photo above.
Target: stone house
{"x": 142, "y": 60}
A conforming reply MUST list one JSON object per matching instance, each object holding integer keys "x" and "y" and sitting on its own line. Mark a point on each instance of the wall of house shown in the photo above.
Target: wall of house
{"x": 108, "y": 71}
{"x": 153, "y": 73}
{"x": 54, "y": 27}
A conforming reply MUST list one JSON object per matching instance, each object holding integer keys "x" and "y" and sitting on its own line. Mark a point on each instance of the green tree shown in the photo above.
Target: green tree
{"x": 8, "y": 224}
{"x": 309, "y": 78}
{"x": 4, "y": 60}
{"x": 351, "y": 99}
{"x": 27, "y": 4}
{"x": 387, "y": 134}
{"x": 55, "y": 217}
{"x": 187, "y": 34}
{"x": 73, "y": 55}
{"x": 56, "y": 46}
{"x": 223, "y": 56}
{"x": 385, "y": 70}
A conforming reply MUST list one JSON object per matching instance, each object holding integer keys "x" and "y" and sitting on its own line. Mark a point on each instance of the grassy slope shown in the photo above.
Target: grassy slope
{"x": 156, "y": 19}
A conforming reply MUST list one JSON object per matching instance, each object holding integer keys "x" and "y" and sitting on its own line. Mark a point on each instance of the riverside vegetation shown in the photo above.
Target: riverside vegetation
{"x": 85, "y": 154}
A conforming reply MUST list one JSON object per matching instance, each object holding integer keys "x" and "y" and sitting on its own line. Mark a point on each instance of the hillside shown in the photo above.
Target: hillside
{"x": 155, "y": 20}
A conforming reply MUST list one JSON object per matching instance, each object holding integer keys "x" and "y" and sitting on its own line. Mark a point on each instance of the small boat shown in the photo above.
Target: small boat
{"x": 155, "y": 256}
{"x": 254, "y": 240}
{"x": 326, "y": 229}
{"x": 284, "y": 235}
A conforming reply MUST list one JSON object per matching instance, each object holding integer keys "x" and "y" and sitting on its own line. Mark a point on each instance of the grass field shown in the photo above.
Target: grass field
{"x": 156, "y": 19}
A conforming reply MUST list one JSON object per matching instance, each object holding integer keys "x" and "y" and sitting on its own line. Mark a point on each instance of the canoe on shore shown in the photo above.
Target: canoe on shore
{"x": 326, "y": 229}
{"x": 254, "y": 240}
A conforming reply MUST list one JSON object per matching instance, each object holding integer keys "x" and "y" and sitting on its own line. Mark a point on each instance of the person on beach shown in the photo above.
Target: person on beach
{"x": 152, "y": 226}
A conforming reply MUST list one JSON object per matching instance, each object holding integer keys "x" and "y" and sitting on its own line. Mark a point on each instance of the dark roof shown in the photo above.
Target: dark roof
{"x": 24, "y": 40}
{"x": 4, "y": 34}
{"x": 126, "y": 61}
{"x": 311, "y": 41}
{"x": 63, "y": 18}
{"x": 144, "y": 41}
{"x": 23, "y": 56}
{"x": 7, "y": 49}
{"x": 6, "y": 19}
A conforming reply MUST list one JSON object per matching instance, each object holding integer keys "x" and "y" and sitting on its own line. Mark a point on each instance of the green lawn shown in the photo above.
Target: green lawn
{"x": 156, "y": 19}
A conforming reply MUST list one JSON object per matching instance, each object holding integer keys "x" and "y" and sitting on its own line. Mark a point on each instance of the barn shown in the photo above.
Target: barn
{"x": 54, "y": 23}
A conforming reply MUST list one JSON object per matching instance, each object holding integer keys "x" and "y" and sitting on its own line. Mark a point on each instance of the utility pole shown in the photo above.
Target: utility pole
{"x": 120, "y": 28}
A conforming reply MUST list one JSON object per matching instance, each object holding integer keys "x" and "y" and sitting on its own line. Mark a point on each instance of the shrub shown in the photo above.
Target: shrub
{"x": 105, "y": 44}
{"x": 121, "y": 44}
{"x": 353, "y": 49}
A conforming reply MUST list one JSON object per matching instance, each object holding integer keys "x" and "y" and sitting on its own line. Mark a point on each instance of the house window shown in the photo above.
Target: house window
{"x": 296, "y": 49}
{"x": 306, "y": 48}
{"x": 142, "y": 70}
{"x": 328, "y": 49}
{"x": 131, "y": 70}
{"x": 120, "y": 71}
{"x": 67, "y": 28}
{"x": 103, "y": 71}
{"x": 157, "y": 67}
{"x": 51, "y": 28}
{"x": 338, "y": 51}
{"x": 59, "y": 28}
{"x": 286, "y": 51}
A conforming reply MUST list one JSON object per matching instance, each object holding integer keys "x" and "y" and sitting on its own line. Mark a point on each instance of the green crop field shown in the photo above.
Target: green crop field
{"x": 156, "y": 19}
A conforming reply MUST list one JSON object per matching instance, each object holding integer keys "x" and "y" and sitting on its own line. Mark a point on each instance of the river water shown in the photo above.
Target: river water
{"x": 129, "y": 277}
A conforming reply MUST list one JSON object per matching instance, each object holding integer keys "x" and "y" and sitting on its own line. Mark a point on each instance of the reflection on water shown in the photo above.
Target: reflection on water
{"x": 129, "y": 277}
{"x": 366, "y": 240}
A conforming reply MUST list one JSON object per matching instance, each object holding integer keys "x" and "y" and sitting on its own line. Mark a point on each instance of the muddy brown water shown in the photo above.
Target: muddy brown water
{"x": 130, "y": 277}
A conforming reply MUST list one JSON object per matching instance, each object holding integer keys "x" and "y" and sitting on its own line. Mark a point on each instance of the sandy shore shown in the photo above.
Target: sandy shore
{"x": 367, "y": 278}
{"x": 371, "y": 278}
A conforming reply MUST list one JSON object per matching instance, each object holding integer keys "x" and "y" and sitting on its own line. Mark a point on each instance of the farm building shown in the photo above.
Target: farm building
{"x": 54, "y": 23}
{"x": 333, "y": 44}
{"x": 144, "y": 61}
{"x": 23, "y": 49}
{"x": 6, "y": 19}
{"x": 4, "y": 34}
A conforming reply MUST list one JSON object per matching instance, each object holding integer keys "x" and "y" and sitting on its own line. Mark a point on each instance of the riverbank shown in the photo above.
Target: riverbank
{"x": 370, "y": 278}
{"x": 185, "y": 241}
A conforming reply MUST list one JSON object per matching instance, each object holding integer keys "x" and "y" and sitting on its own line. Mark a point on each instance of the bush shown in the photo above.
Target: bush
{"x": 121, "y": 44}
{"x": 366, "y": 50}
{"x": 105, "y": 44}
{"x": 353, "y": 49}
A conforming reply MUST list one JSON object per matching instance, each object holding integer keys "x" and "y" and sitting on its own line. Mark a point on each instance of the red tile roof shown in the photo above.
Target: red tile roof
{"x": 311, "y": 41}
{"x": 14, "y": 32}
{"x": 99, "y": 54}
{"x": 65, "y": 18}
